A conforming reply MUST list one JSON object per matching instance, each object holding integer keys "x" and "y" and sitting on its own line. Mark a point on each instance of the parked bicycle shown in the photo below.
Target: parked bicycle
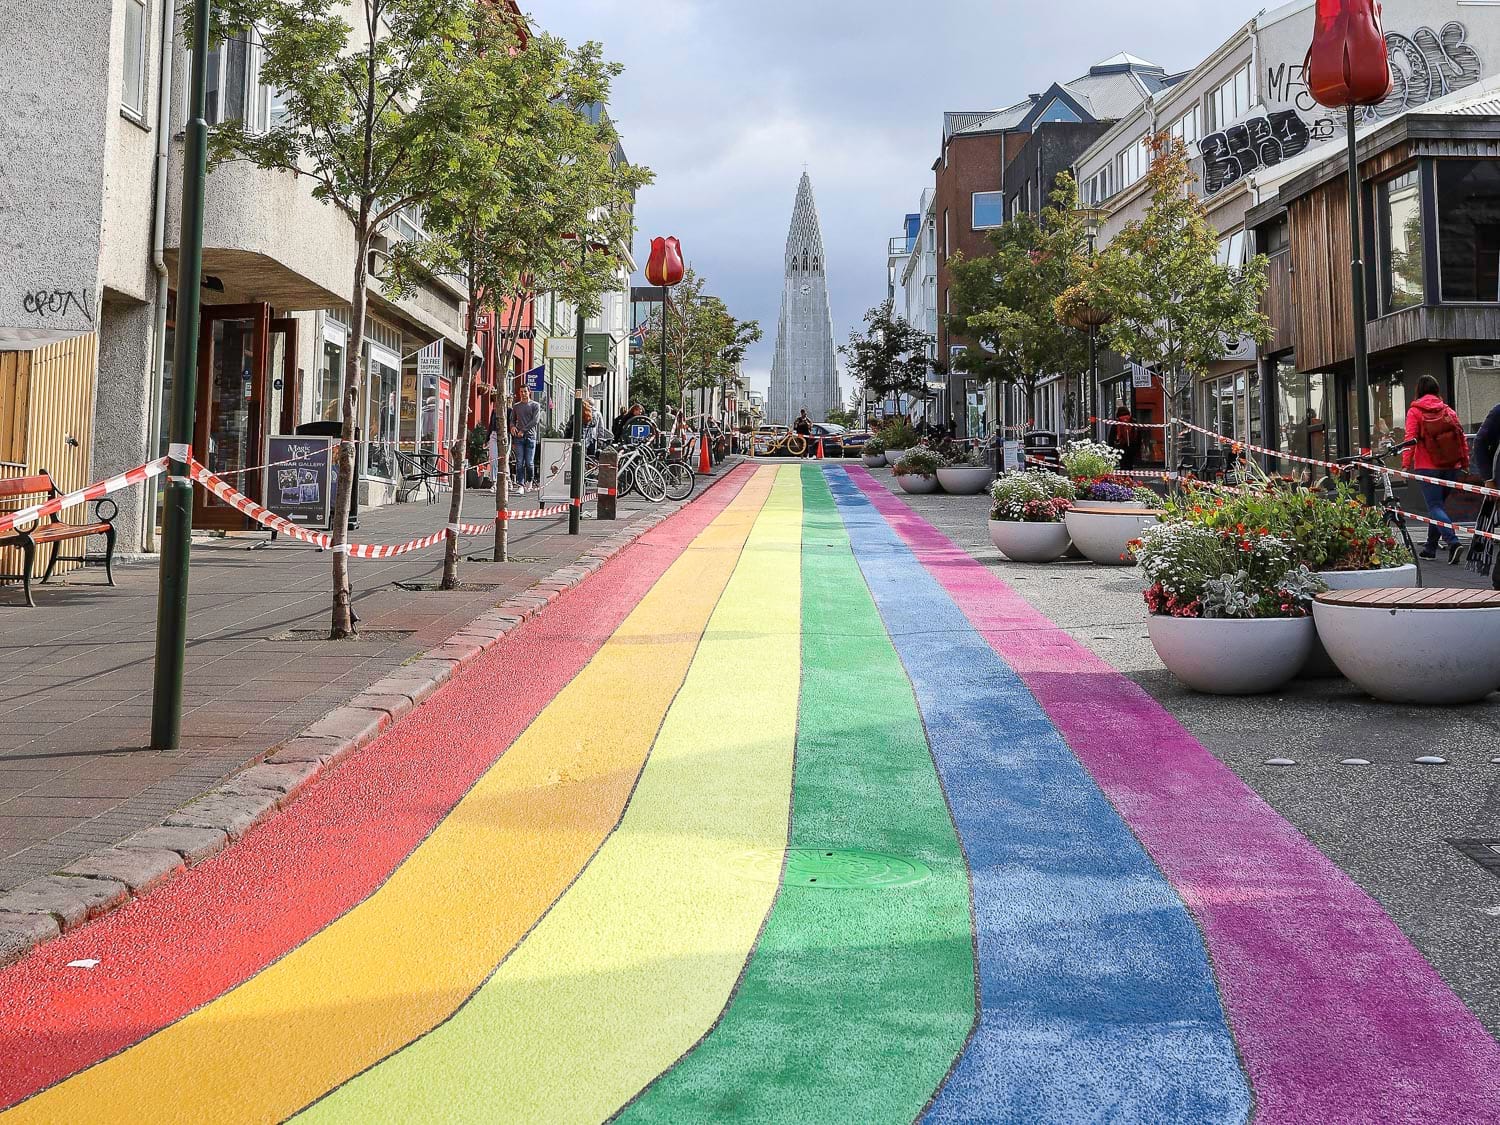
{"x": 1375, "y": 463}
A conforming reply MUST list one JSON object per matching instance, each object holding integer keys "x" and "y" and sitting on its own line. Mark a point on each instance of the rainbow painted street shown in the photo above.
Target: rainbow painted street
{"x": 793, "y": 812}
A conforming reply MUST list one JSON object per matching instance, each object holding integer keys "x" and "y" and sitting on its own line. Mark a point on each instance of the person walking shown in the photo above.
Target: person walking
{"x": 1486, "y": 461}
{"x": 1441, "y": 450}
{"x": 525, "y": 422}
{"x": 1125, "y": 436}
{"x": 804, "y": 429}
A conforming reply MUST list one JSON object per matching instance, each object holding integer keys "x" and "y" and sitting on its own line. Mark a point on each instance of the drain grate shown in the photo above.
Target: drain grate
{"x": 366, "y": 636}
{"x": 524, "y": 559}
{"x": 1486, "y": 853}
{"x": 835, "y": 869}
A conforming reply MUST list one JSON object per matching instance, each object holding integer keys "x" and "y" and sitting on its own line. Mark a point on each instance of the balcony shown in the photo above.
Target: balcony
{"x": 901, "y": 246}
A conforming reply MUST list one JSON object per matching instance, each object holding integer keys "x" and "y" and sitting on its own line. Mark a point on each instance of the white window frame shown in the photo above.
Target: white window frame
{"x": 136, "y": 109}
{"x": 1133, "y": 163}
{"x": 1188, "y": 128}
{"x": 386, "y": 357}
{"x": 259, "y": 98}
{"x": 1096, "y": 191}
{"x": 991, "y": 196}
{"x": 947, "y": 235}
{"x": 1230, "y": 100}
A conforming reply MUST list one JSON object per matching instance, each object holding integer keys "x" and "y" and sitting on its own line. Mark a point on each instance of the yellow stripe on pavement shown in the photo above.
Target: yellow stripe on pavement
{"x": 637, "y": 960}
{"x": 403, "y": 960}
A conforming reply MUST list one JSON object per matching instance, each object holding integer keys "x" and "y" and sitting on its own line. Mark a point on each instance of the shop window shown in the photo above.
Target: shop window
{"x": 1387, "y": 405}
{"x": 133, "y": 91}
{"x": 382, "y": 412}
{"x": 1476, "y": 387}
{"x": 1306, "y": 415}
{"x": 1468, "y": 206}
{"x": 1400, "y": 242}
{"x": 328, "y": 388}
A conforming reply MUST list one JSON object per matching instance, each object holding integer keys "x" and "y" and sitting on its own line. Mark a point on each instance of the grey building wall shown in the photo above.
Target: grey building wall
{"x": 1051, "y": 150}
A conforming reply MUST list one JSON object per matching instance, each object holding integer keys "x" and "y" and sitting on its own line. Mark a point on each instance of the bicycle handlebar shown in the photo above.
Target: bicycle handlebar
{"x": 1374, "y": 458}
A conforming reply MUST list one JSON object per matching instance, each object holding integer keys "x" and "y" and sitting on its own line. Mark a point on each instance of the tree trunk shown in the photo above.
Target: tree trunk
{"x": 342, "y": 625}
{"x": 460, "y": 446}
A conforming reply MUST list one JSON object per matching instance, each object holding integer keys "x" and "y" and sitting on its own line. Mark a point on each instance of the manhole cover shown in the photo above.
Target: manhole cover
{"x": 833, "y": 869}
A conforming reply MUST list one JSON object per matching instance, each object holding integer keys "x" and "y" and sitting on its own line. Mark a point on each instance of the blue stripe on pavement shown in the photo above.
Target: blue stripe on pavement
{"x": 1097, "y": 999}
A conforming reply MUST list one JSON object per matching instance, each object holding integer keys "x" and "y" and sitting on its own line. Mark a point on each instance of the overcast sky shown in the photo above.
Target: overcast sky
{"x": 727, "y": 99}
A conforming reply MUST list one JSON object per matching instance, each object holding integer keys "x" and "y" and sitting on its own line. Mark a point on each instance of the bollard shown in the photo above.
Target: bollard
{"x": 609, "y": 478}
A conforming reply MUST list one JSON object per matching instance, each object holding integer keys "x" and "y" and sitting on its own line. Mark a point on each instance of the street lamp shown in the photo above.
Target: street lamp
{"x": 1089, "y": 317}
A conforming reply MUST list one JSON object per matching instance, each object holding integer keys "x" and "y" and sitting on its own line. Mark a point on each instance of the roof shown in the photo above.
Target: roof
{"x": 1108, "y": 91}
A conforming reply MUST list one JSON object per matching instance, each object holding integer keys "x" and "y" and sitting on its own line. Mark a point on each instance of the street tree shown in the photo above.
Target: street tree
{"x": 1004, "y": 301}
{"x": 705, "y": 345}
{"x": 890, "y": 357}
{"x": 379, "y": 116}
{"x": 1175, "y": 305}
{"x": 508, "y": 224}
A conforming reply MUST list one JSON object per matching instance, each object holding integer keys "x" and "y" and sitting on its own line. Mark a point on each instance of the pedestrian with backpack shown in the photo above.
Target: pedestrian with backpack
{"x": 1441, "y": 450}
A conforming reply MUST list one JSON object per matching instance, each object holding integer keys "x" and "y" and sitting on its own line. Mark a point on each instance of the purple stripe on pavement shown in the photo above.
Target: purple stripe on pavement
{"x": 1337, "y": 1015}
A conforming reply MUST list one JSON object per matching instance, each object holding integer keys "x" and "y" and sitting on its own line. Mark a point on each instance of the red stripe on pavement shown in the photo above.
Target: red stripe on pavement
{"x": 201, "y": 934}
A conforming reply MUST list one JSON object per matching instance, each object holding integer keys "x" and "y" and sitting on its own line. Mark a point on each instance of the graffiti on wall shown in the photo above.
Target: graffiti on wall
{"x": 56, "y": 302}
{"x": 1424, "y": 65}
{"x": 1257, "y": 143}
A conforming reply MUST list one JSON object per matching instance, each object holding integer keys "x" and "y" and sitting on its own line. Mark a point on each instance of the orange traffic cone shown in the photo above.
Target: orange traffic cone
{"x": 820, "y": 448}
{"x": 704, "y": 464}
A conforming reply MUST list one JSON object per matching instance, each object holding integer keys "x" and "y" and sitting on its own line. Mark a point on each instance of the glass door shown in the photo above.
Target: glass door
{"x": 229, "y": 433}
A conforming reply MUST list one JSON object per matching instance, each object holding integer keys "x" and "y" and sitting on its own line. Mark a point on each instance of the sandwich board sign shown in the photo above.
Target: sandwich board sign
{"x": 299, "y": 482}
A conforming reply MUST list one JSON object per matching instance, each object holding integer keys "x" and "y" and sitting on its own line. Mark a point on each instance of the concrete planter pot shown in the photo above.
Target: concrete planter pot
{"x": 1320, "y": 665}
{"x": 1229, "y": 656}
{"x": 1029, "y": 542}
{"x": 965, "y": 480}
{"x": 873, "y": 460}
{"x": 894, "y": 455}
{"x": 1104, "y": 534}
{"x": 1088, "y": 505}
{"x": 1426, "y": 656}
{"x": 917, "y": 484}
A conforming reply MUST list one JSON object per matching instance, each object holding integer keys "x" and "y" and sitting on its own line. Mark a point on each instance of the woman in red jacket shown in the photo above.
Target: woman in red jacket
{"x": 1442, "y": 450}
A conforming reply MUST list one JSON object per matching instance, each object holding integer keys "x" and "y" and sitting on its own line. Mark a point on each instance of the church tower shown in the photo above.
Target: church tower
{"x": 805, "y": 371}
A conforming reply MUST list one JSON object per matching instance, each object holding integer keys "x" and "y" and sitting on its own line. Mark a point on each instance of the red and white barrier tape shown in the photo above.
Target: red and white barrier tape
{"x": 1142, "y": 474}
{"x": 92, "y": 492}
{"x": 1457, "y": 528}
{"x": 552, "y": 510}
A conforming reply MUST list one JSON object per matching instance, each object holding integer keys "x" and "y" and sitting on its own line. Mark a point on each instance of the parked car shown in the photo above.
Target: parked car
{"x": 833, "y": 438}
{"x": 854, "y": 442}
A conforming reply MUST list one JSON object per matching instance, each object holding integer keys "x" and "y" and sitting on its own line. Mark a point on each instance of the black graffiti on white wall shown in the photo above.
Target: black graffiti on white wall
{"x": 56, "y": 302}
{"x": 1427, "y": 65}
{"x": 1257, "y": 143}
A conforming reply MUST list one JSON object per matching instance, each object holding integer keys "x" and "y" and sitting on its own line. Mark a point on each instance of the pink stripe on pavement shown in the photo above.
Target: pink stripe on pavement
{"x": 1339, "y": 1018}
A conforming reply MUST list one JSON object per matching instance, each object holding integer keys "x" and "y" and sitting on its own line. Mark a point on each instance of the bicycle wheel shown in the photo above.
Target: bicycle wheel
{"x": 650, "y": 483}
{"x": 796, "y": 445}
{"x": 625, "y": 479}
{"x": 679, "y": 481}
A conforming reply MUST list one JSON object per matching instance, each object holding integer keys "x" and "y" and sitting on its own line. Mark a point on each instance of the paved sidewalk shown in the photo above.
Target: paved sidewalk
{"x": 75, "y": 673}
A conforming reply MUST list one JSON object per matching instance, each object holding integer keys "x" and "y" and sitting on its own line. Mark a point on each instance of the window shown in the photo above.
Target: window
{"x": 1232, "y": 250}
{"x": 1306, "y": 414}
{"x": 1468, "y": 217}
{"x": 382, "y": 412}
{"x": 989, "y": 210}
{"x": 328, "y": 390}
{"x": 235, "y": 92}
{"x": 1188, "y": 128}
{"x": 133, "y": 89}
{"x": 1230, "y": 101}
{"x": 947, "y": 235}
{"x": 1400, "y": 242}
{"x": 409, "y": 223}
{"x": 1097, "y": 189}
{"x": 1133, "y": 163}
{"x": 1476, "y": 387}
{"x": 1275, "y": 236}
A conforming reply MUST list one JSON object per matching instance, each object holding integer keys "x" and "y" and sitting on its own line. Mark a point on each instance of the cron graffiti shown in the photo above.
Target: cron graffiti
{"x": 55, "y": 302}
{"x": 1257, "y": 143}
{"x": 1427, "y": 65}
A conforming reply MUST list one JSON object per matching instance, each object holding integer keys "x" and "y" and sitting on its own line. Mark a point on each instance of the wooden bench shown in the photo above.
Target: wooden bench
{"x": 1404, "y": 597}
{"x": 22, "y": 492}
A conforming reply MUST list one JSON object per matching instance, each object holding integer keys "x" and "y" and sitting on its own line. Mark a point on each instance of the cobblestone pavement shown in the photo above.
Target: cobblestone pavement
{"x": 1387, "y": 824}
{"x": 75, "y": 673}
{"x": 798, "y": 812}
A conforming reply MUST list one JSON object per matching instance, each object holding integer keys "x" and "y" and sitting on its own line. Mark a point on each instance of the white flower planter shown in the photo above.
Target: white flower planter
{"x": 1320, "y": 665}
{"x": 1226, "y": 656}
{"x": 1029, "y": 542}
{"x": 966, "y": 480}
{"x": 894, "y": 455}
{"x": 1426, "y": 656}
{"x": 874, "y": 460}
{"x": 1091, "y": 504}
{"x": 1103, "y": 534}
{"x": 917, "y": 483}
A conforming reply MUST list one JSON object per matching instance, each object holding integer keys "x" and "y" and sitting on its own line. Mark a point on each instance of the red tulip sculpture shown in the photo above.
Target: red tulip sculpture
{"x": 664, "y": 267}
{"x": 1347, "y": 63}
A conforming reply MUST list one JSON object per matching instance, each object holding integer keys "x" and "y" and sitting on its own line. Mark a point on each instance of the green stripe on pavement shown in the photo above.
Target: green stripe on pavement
{"x": 856, "y": 1001}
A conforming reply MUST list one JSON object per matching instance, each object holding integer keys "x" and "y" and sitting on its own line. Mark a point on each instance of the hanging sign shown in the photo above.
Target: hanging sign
{"x": 1140, "y": 377}
{"x": 430, "y": 359}
{"x": 536, "y": 379}
{"x": 561, "y": 347}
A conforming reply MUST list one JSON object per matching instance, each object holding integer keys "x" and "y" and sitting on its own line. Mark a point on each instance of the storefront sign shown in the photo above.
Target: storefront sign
{"x": 1140, "y": 378}
{"x": 1013, "y": 456}
{"x": 430, "y": 359}
{"x": 561, "y": 347}
{"x": 299, "y": 486}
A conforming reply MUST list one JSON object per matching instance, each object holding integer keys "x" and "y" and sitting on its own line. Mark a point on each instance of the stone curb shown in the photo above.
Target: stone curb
{"x": 42, "y": 909}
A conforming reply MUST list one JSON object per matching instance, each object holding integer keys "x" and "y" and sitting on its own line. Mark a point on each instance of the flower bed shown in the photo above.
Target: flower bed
{"x": 1026, "y": 519}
